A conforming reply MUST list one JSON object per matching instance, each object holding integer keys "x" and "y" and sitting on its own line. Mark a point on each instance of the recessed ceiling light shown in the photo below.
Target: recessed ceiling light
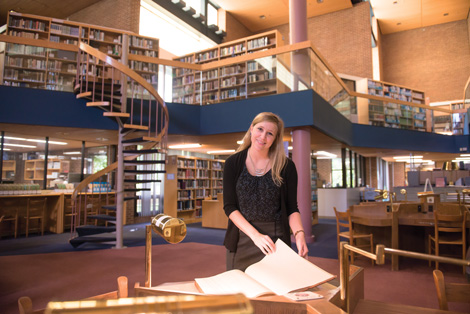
{"x": 220, "y": 152}
{"x": 446, "y": 14}
{"x": 399, "y": 23}
{"x": 262, "y": 17}
{"x": 194, "y": 145}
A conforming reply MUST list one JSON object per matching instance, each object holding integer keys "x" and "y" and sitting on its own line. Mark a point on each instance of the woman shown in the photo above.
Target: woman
{"x": 260, "y": 195}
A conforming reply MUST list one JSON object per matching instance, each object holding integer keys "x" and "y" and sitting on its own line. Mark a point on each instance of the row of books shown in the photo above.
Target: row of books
{"x": 28, "y": 24}
{"x": 64, "y": 29}
{"x": 143, "y": 66}
{"x": 143, "y": 43}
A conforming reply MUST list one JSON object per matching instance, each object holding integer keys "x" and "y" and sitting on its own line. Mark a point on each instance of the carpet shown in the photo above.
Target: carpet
{"x": 76, "y": 275}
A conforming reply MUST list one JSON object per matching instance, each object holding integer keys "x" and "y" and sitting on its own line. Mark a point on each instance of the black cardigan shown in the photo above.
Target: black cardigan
{"x": 232, "y": 169}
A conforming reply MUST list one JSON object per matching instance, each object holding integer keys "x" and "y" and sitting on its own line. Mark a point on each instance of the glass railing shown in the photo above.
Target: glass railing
{"x": 280, "y": 70}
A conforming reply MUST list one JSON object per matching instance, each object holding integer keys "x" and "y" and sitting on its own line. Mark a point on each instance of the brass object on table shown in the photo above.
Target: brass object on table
{"x": 173, "y": 230}
{"x": 403, "y": 192}
{"x": 231, "y": 304}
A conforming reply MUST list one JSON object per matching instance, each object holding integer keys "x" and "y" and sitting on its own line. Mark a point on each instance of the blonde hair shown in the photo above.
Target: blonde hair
{"x": 276, "y": 154}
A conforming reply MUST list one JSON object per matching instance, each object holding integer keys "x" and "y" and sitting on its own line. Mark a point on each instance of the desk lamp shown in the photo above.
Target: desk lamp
{"x": 173, "y": 230}
{"x": 403, "y": 192}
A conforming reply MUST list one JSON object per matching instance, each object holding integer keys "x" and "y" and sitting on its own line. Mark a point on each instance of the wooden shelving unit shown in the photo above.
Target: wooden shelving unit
{"x": 235, "y": 81}
{"x": 34, "y": 66}
{"x": 189, "y": 181}
{"x": 8, "y": 169}
{"x": 34, "y": 169}
{"x": 393, "y": 114}
{"x": 450, "y": 123}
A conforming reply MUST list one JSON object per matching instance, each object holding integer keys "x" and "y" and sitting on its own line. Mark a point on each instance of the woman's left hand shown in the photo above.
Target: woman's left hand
{"x": 301, "y": 245}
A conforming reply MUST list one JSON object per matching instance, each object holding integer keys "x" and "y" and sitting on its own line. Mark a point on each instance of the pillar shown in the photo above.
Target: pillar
{"x": 301, "y": 137}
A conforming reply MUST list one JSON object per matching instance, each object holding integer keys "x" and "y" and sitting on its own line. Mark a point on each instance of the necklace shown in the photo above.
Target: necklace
{"x": 258, "y": 172}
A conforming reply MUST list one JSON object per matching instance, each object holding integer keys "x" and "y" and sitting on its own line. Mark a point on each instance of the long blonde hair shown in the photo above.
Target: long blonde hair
{"x": 276, "y": 154}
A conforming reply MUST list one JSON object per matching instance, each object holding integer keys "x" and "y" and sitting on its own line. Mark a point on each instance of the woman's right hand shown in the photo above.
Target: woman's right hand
{"x": 264, "y": 243}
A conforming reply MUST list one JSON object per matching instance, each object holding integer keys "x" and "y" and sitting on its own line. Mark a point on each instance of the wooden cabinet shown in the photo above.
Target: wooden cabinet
{"x": 235, "y": 81}
{"x": 52, "y": 64}
{"x": 34, "y": 169}
{"x": 189, "y": 181}
{"x": 8, "y": 170}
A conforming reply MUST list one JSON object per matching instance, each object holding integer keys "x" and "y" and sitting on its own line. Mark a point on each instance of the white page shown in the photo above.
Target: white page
{"x": 285, "y": 271}
{"x": 231, "y": 282}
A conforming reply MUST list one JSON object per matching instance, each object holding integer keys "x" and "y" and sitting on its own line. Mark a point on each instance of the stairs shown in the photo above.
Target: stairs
{"x": 143, "y": 125}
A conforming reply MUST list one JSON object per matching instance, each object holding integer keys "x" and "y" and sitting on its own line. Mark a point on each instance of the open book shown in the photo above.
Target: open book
{"x": 279, "y": 273}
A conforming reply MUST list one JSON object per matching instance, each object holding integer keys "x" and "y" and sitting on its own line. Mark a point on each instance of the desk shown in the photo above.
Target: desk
{"x": 54, "y": 209}
{"x": 400, "y": 230}
{"x": 54, "y": 206}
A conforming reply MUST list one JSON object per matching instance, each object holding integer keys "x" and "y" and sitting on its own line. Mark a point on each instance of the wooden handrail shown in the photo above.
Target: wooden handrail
{"x": 130, "y": 73}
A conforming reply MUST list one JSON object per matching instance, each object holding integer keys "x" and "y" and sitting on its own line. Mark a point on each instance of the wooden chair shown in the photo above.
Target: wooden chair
{"x": 343, "y": 220}
{"x": 36, "y": 210}
{"x": 25, "y": 306}
{"x": 448, "y": 230}
{"x": 450, "y": 292}
{"x": 69, "y": 215}
{"x": 9, "y": 213}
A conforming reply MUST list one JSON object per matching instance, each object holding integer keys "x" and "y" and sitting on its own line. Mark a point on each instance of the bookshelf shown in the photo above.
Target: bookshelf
{"x": 394, "y": 114}
{"x": 53, "y": 66}
{"x": 34, "y": 169}
{"x": 189, "y": 181}
{"x": 235, "y": 81}
{"x": 445, "y": 123}
{"x": 314, "y": 198}
{"x": 8, "y": 169}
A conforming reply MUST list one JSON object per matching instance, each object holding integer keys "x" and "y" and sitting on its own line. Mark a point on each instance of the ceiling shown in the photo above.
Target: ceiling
{"x": 256, "y": 15}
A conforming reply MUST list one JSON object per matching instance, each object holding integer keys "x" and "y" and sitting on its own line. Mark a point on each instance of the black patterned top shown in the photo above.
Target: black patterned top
{"x": 259, "y": 197}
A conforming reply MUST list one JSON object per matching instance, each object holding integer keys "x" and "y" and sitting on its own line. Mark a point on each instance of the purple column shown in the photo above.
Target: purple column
{"x": 301, "y": 137}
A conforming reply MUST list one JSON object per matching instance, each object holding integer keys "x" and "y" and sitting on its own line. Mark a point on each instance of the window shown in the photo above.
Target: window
{"x": 336, "y": 173}
{"x": 175, "y": 36}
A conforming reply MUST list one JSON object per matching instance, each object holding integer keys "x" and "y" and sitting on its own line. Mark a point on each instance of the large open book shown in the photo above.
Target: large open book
{"x": 279, "y": 273}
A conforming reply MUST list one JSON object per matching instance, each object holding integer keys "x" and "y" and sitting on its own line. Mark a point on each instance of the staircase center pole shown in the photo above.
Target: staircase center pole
{"x": 120, "y": 192}
{"x": 120, "y": 148}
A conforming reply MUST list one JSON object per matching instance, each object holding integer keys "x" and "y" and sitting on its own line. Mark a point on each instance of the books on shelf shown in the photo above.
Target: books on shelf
{"x": 278, "y": 273}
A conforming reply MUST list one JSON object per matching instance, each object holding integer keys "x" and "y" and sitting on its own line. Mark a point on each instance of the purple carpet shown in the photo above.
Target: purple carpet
{"x": 77, "y": 275}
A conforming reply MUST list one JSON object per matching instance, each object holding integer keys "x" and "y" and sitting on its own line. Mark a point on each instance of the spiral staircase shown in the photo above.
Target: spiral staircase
{"x": 142, "y": 117}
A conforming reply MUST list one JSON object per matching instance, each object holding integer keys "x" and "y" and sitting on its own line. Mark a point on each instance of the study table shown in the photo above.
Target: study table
{"x": 55, "y": 206}
{"x": 397, "y": 228}
{"x": 330, "y": 303}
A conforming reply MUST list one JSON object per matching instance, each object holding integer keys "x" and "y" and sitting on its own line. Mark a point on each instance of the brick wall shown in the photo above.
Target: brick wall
{"x": 234, "y": 28}
{"x": 399, "y": 174}
{"x": 371, "y": 171}
{"x": 120, "y": 14}
{"x": 324, "y": 170}
{"x": 343, "y": 39}
{"x": 433, "y": 59}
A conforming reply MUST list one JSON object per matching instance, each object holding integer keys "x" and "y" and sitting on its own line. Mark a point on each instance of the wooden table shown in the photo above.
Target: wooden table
{"x": 397, "y": 229}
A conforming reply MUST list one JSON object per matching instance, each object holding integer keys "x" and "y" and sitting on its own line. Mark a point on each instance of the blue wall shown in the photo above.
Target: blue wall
{"x": 304, "y": 108}
{"x": 20, "y": 105}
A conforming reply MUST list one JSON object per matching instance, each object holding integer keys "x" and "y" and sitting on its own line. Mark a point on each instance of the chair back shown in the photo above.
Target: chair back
{"x": 448, "y": 224}
{"x": 450, "y": 292}
{"x": 36, "y": 206}
{"x": 343, "y": 219}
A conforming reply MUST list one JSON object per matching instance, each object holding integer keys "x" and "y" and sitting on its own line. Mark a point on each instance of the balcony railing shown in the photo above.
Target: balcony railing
{"x": 274, "y": 71}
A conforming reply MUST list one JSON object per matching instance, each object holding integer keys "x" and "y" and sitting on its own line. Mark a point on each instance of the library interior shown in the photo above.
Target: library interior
{"x": 117, "y": 118}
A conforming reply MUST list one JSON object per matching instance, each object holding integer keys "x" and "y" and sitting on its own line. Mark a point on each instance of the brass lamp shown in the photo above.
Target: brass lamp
{"x": 173, "y": 230}
{"x": 403, "y": 192}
